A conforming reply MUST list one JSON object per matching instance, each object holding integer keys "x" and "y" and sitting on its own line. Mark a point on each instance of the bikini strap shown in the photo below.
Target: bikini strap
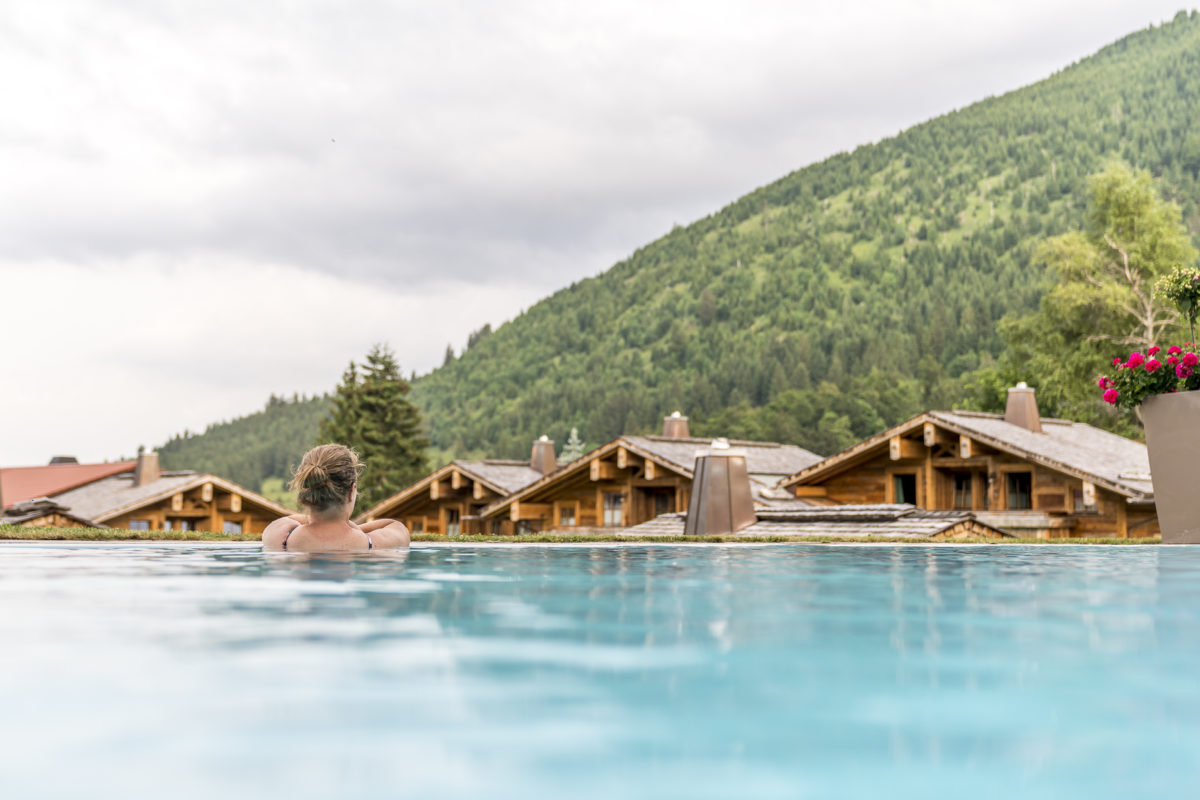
{"x": 370, "y": 542}
{"x": 286, "y": 535}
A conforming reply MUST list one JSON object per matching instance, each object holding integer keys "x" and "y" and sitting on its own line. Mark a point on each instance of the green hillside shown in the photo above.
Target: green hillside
{"x": 255, "y": 448}
{"x": 817, "y": 310}
{"x": 844, "y": 297}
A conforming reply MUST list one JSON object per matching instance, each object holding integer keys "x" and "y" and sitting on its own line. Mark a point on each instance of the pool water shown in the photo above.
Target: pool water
{"x": 221, "y": 671}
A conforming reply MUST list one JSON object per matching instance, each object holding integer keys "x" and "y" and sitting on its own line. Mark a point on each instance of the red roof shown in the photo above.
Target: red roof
{"x": 18, "y": 484}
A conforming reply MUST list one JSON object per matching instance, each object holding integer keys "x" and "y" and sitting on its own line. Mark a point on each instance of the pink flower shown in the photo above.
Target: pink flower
{"x": 1152, "y": 350}
{"x": 1190, "y": 359}
{"x": 1172, "y": 360}
{"x": 1111, "y": 396}
{"x": 1117, "y": 361}
{"x": 1152, "y": 365}
{"x": 1183, "y": 371}
{"x": 1135, "y": 360}
{"x": 1174, "y": 349}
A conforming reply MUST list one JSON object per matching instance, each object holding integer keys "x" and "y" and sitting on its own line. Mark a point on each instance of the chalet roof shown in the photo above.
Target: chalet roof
{"x": 762, "y": 458}
{"x": 508, "y": 476}
{"x": 499, "y": 475}
{"x": 1076, "y": 448}
{"x": 766, "y": 462}
{"x": 18, "y": 484}
{"x": 849, "y": 521}
{"x": 29, "y": 510}
{"x": 110, "y": 497}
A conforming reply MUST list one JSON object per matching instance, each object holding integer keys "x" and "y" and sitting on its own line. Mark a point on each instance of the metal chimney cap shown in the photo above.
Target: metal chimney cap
{"x": 544, "y": 438}
{"x": 1021, "y": 385}
{"x": 676, "y": 415}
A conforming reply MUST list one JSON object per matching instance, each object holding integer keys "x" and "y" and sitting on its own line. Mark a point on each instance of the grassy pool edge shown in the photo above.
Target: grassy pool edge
{"x": 18, "y": 533}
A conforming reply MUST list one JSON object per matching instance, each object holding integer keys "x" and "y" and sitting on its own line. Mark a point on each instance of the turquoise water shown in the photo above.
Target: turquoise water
{"x": 214, "y": 671}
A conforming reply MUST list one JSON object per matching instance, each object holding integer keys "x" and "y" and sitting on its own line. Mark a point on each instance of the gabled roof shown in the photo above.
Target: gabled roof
{"x": 765, "y": 461}
{"x": 762, "y": 458}
{"x": 500, "y": 476}
{"x": 873, "y": 521}
{"x": 1075, "y": 448}
{"x": 18, "y": 484}
{"x": 29, "y": 510}
{"x": 116, "y": 495}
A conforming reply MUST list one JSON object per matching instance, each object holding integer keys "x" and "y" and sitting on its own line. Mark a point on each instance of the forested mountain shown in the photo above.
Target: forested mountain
{"x": 254, "y": 448}
{"x": 849, "y": 294}
{"x": 834, "y": 302}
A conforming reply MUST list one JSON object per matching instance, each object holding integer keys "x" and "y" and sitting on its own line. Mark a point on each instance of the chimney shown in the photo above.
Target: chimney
{"x": 675, "y": 426}
{"x": 146, "y": 470}
{"x": 543, "y": 459}
{"x": 63, "y": 460}
{"x": 721, "y": 502}
{"x": 1022, "y": 408}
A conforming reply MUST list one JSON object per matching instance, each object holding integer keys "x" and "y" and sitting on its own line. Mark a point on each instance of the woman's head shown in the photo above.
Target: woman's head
{"x": 326, "y": 477}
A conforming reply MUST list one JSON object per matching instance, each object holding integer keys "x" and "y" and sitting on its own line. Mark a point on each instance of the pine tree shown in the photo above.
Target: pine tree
{"x": 372, "y": 414}
{"x": 573, "y": 448}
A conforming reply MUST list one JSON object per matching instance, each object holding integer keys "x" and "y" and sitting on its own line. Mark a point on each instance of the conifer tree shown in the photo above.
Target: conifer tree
{"x": 573, "y": 448}
{"x": 372, "y": 414}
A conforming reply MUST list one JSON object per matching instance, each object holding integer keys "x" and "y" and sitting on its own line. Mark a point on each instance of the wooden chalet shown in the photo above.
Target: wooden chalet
{"x": 450, "y": 500}
{"x": 136, "y": 495}
{"x": 1044, "y": 478}
{"x": 630, "y": 480}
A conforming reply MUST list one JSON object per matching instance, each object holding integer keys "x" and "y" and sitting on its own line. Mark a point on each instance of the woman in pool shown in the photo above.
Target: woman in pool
{"x": 326, "y": 484}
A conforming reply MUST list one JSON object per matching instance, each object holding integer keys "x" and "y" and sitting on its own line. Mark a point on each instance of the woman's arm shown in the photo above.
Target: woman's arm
{"x": 387, "y": 533}
{"x": 274, "y": 533}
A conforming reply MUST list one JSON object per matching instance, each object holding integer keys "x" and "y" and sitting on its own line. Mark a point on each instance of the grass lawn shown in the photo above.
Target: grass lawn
{"x": 17, "y": 533}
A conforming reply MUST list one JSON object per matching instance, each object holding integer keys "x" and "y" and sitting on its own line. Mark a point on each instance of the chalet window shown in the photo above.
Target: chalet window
{"x": 566, "y": 515}
{"x": 523, "y": 527}
{"x": 417, "y": 526}
{"x": 962, "y": 490}
{"x": 662, "y": 503}
{"x": 906, "y": 488}
{"x": 613, "y": 503}
{"x": 1081, "y": 501}
{"x": 452, "y": 522}
{"x": 1020, "y": 490}
{"x": 233, "y": 527}
{"x": 178, "y": 525}
{"x": 139, "y": 524}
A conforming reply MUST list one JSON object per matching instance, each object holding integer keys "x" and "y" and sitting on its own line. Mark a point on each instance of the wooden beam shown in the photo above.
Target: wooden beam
{"x": 603, "y": 470}
{"x": 901, "y": 448}
{"x": 477, "y": 490}
{"x": 935, "y": 436}
{"x": 206, "y": 492}
{"x": 966, "y": 448}
{"x": 811, "y": 491}
{"x": 456, "y": 480}
{"x": 438, "y": 490}
{"x": 931, "y": 499}
{"x": 519, "y": 511}
{"x": 622, "y": 458}
{"x": 177, "y": 501}
{"x": 651, "y": 470}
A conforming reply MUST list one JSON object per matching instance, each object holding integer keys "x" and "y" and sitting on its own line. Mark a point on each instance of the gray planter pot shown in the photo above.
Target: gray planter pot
{"x": 1173, "y": 438}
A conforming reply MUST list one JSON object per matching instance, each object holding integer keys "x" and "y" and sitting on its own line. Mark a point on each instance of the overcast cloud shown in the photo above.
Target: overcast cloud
{"x": 204, "y": 203}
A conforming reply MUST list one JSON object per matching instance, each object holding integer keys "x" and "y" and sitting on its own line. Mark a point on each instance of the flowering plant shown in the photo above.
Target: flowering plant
{"x": 1140, "y": 376}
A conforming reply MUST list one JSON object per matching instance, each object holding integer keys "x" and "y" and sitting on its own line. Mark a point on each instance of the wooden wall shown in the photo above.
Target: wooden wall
{"x": 1055, "y": 496}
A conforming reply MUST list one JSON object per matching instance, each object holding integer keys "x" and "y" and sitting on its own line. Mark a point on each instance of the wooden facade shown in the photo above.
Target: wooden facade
{"x": 630, "y": 480}
{"x": 206, "y": 503}
{"x": 452, "y": 499}
{"x": 1063, "y": 480}
{"x": 617, "y": 485}
{"x": 141, "y": 497}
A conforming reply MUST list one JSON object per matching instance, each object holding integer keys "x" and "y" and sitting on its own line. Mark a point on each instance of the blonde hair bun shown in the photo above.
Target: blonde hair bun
{"x": 326, "y": 476}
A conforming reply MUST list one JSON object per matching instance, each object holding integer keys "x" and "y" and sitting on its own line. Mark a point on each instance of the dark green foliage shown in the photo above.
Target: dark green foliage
{"x": 846, "y": 296}
{"x": 371, "y": 413}
{"x": 250, "y": 449}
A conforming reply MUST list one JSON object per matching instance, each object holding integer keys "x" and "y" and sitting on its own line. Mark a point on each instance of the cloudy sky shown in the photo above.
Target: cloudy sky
{"x": 204, "y": 203}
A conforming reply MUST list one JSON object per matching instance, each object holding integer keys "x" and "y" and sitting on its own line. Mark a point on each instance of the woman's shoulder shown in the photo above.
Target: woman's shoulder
{"x": 276, "y": 533}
